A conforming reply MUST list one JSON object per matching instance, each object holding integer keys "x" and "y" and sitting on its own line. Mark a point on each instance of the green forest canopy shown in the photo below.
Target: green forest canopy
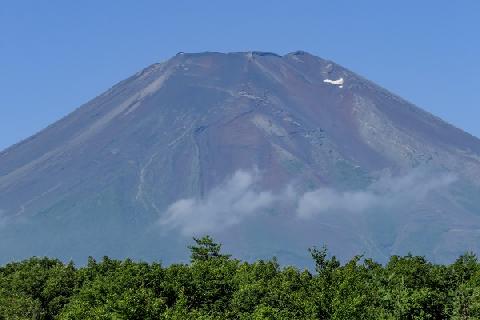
{"x": 215, "y": 286}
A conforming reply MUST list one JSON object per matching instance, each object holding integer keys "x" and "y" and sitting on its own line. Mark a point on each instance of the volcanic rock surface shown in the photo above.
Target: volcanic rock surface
{"x": 269, "y": 154}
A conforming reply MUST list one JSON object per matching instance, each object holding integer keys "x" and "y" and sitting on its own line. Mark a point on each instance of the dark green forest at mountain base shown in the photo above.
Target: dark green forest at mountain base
{"x": 216, "y": 286}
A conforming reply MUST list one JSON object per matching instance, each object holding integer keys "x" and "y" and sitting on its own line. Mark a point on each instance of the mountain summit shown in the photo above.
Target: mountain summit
{"x": 269, "y": 154}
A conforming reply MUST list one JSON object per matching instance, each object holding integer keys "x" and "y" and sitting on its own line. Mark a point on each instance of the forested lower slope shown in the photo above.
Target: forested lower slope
{"x": 215, "y": 286}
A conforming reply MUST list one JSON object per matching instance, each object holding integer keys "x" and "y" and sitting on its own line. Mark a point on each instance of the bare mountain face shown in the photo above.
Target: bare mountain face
{"x": 269, "y": 154}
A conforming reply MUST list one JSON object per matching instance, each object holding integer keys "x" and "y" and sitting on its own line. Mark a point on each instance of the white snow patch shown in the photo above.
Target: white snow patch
{"x": 338, "y": 82}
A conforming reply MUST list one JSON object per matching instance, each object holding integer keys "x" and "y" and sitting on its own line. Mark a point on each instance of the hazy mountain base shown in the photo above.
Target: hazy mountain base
{"x": 390, "y": 215}
{"x": 215, "y": 286}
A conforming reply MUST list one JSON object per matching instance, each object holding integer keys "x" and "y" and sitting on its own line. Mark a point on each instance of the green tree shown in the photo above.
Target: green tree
{"x": 215, "y": 287}
{"x": 205, "y": 249}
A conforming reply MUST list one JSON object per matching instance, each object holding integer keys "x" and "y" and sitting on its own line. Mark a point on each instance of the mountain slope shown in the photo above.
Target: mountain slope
{"x": 269, "y": 153}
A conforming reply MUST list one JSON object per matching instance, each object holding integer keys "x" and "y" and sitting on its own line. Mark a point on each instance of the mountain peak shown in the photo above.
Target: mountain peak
{"x": 243, "y": 53}
{"x": 245, "y": 145}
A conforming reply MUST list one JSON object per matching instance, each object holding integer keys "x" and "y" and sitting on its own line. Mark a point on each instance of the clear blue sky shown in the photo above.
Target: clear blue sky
{"x": 56, "y": 54}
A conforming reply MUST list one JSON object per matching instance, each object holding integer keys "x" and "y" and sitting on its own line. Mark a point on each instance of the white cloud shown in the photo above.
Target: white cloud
{"x": 239, "y": 198}
{"x": 326, "y": 200}
{"x": 224, "y": 206}
{"x": 387, "y": 192}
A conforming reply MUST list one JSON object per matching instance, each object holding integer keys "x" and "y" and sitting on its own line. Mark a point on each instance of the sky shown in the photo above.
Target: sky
{"x": 56, "y": 55}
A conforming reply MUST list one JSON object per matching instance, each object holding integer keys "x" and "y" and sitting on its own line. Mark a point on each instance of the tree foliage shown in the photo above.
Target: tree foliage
{"x": 215, "y": 286}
